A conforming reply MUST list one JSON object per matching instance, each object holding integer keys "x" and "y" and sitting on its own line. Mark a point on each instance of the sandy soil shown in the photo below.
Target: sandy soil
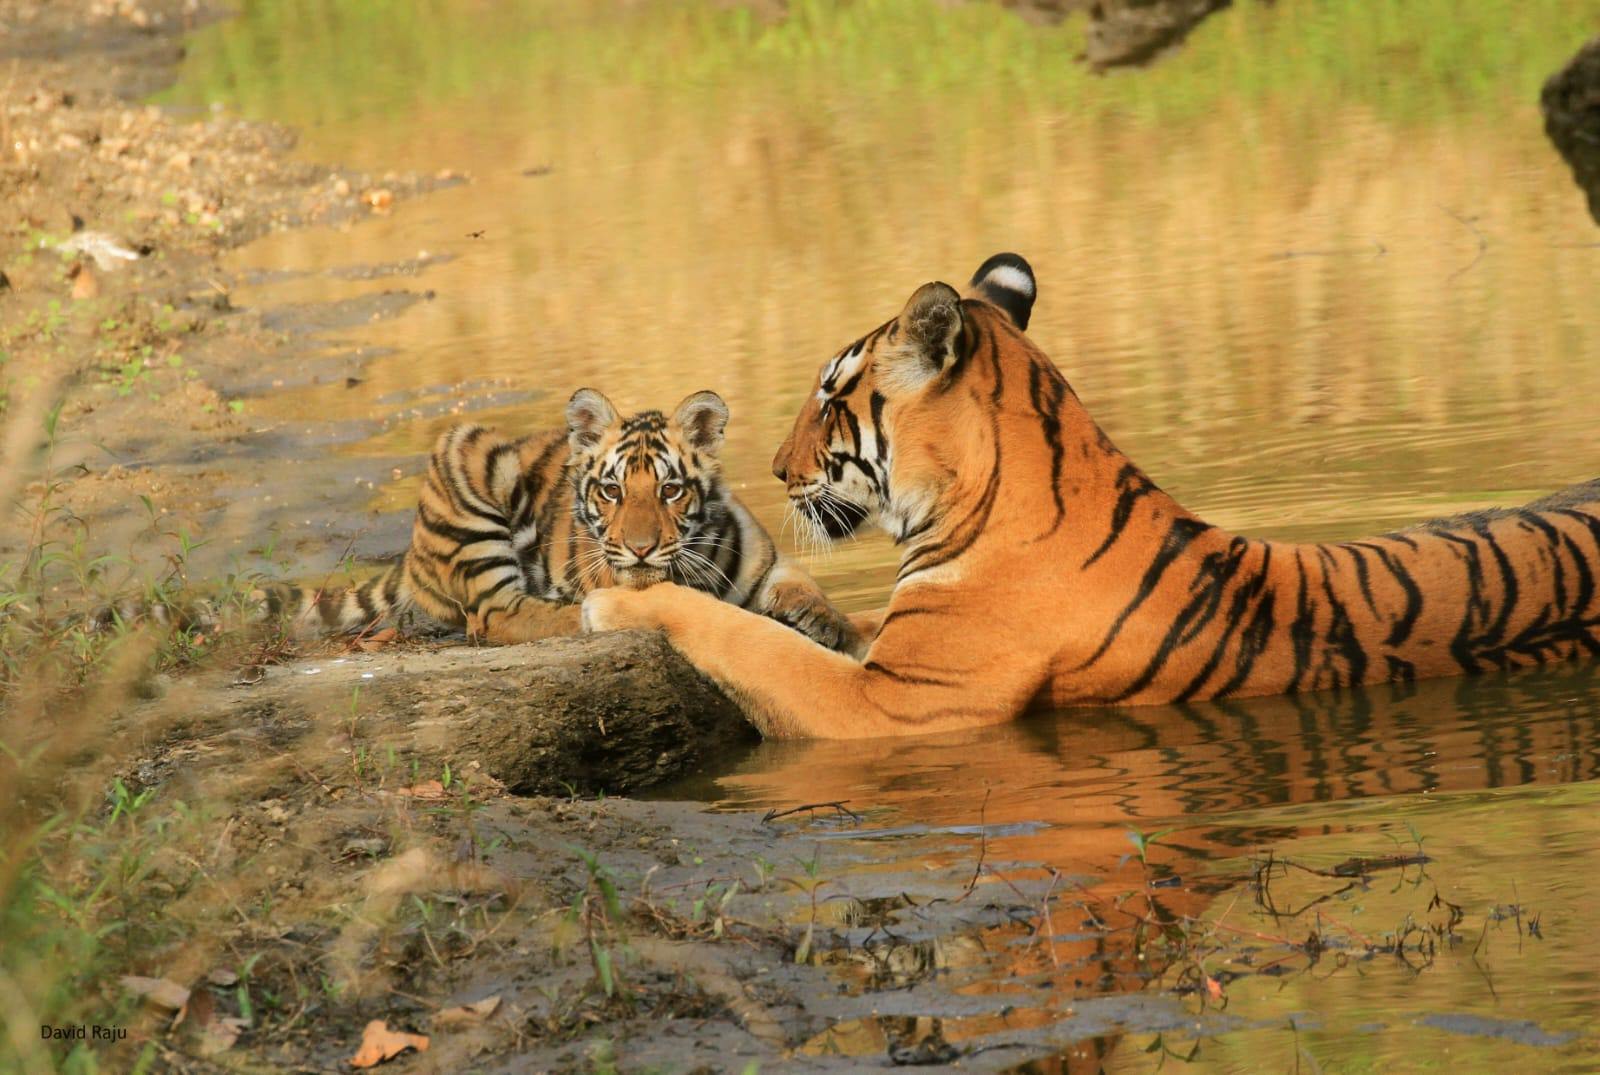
{"x": 114, "y": 300}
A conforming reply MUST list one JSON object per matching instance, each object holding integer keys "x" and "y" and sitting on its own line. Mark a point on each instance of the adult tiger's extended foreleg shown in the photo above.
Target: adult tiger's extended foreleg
{"x": 792, "y": 688}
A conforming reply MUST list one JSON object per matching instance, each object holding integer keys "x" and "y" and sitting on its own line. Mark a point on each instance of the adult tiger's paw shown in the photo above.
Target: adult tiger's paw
{"x": 808, "y": 612}
{"x": 618, "y": 609}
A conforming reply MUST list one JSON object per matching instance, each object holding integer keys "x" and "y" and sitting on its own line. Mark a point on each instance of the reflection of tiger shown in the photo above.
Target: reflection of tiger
{"x": 509, "y": 533}
{"x": 1040, "y": 565}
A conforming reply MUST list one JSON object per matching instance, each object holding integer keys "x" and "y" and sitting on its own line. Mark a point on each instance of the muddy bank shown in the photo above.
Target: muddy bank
{"x": 114, "y": 300}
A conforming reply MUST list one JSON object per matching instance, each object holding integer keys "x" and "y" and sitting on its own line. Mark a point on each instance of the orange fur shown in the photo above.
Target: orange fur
{"x": 1040, "y": 566}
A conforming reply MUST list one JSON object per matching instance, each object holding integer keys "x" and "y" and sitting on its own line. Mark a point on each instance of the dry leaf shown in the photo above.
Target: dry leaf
{"x": 158, "y": 991}
{"x": 196, "y": 1008}
{"x": 466, "y": 1015}
{"x": 379, "y": 1043}
{"x": 220, "y": 1035}
{"x": 482, "y": 784}
{"x": 214, "y": 1034}
{"x": 379, "y": 199}
{"x": 429, "y": 790}
{"x": 377, "y": 640}
{"x": 85, "y": 284}
{"x": 1213, "y": 988}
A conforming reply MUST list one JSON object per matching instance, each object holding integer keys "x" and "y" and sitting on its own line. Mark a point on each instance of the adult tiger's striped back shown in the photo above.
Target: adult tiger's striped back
{"x": 511, "y": 532}
{"x": 1040, "y": 565}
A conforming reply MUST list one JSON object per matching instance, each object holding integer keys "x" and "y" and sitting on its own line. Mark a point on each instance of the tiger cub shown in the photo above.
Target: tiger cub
{"x": 511, "y": 533}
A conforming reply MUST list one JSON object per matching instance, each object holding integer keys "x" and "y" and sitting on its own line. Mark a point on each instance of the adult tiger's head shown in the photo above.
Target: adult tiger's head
{"x": 648, "y": 487}
{"x": 884, "y": 432}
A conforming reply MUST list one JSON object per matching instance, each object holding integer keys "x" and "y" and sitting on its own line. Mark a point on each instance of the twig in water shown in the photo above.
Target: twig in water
{"x": 1483, "y": 241}
{"x": 983, "y": 843}
{"x": 774, "y": 814}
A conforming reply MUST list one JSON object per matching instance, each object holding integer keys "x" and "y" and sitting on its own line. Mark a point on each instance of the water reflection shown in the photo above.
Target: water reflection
{"x": 1478, "y": 792}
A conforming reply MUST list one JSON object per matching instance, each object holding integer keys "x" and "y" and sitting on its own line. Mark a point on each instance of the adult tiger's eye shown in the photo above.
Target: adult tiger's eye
{"x": 671, "y": 491}
{"x": 611, "y": 491}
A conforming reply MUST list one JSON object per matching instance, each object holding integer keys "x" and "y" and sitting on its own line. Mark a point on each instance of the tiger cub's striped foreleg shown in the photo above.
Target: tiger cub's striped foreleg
{"x": 520, "y": 618}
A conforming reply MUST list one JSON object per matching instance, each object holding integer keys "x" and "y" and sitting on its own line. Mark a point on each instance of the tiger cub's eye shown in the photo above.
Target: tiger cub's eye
{"x": 611, "y": 491}
{"x": 671, "y": 491}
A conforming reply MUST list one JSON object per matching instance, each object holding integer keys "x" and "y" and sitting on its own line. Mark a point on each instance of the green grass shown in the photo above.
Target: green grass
{"x": 311, "y": 62}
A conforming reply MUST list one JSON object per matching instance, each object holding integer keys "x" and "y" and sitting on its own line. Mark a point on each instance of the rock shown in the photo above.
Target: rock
{"x": 616, "y": 712}
{"x": 1124, "y": 32}
{"x": 1571, "y": 104}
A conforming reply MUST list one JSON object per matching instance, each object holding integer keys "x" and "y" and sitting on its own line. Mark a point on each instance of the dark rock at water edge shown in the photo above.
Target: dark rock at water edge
{"x": 1125, "y": 32}
{"x": 1571, "y": 103}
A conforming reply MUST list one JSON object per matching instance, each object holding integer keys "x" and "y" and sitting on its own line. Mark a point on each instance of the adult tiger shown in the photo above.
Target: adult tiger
{"x": 1041, "y": 566}
{"x": 511, "y": 533}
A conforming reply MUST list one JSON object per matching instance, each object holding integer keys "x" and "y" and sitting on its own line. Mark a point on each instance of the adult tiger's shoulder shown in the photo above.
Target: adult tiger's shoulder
{"x": 511, "y": 532}
{"x": 1041, "y": 565}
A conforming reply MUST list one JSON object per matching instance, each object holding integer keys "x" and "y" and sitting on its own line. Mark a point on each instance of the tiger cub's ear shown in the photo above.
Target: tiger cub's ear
{"x": 702, "y": 417}
{"x": 1007, "y": 280}
{"x": 929, "y": 334}
{"x": 589, "y": 415}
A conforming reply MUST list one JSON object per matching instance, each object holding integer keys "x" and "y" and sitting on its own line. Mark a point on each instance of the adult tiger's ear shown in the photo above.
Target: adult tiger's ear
{"x": 926, "y": 336}
{"x": 589, "y": 415}
{"x": 702, "y": 417}
{"x": 1007, "y": 280}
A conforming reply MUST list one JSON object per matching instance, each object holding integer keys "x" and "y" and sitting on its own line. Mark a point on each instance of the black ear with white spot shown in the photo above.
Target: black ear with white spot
{"x": 702, "y": 417}
{"x": 1007, "y": 281}
{"x": 589, "y": 415}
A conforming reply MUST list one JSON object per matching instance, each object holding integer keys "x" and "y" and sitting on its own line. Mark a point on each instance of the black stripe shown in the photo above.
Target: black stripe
{"x": 1253, "y": 641}
{"x": 1341, "y": 635}
{"x": 461, "y": 535}
{"x": 1039, "y": 386}
{"x": 1180, "y": 535}
{"x": 1302, "y": 632}
{"x": 1401, "y": 628}
{"x": 1132, "y": 485}
{"x": 908, "y": 677}
{"x": 483, "y": 595}
{"x": 1210, "y": 581}
{"x": 479, "y": 565}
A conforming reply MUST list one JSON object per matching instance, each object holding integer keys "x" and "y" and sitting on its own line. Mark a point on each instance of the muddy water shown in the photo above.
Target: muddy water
{"x": 1320, "y": 274}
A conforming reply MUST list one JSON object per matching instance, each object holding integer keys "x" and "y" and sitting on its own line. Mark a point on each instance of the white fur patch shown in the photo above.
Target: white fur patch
{"x": 839, "y": 370}
{"x": 1009, "y": 278}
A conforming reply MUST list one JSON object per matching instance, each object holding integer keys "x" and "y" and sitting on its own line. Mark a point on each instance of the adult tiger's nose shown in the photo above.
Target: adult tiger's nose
{"x": 640, "y": 549}
{"x": 780, "y": 462}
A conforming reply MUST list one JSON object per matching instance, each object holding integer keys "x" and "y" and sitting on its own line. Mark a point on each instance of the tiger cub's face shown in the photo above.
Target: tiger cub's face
{"x": 647, "y": 487}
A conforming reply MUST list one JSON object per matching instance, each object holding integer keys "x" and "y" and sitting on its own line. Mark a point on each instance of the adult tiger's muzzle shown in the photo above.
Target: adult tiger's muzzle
{"x": 836, "y": 517}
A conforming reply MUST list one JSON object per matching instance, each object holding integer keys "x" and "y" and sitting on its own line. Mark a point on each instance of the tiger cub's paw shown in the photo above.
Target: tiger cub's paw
{"x": 808, "y": 612}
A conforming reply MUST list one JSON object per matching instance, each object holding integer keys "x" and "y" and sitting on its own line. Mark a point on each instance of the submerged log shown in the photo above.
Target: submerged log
{"x": 611, "y": 713}
{"x": 1571, "y": 104}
